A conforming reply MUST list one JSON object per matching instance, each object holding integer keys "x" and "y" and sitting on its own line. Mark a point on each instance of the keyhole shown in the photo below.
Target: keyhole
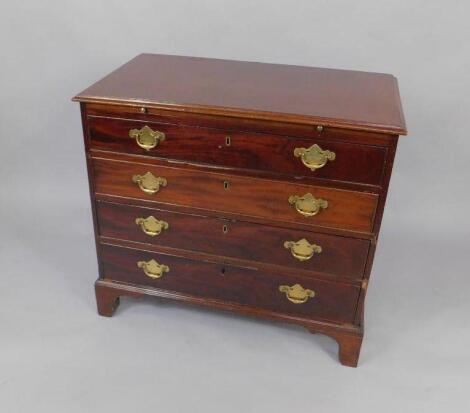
{"x": 227, "y": 141}
{"x": 226, "y": 184}
{"x": 222, "y": 271}
{"x": 224, "y": 229}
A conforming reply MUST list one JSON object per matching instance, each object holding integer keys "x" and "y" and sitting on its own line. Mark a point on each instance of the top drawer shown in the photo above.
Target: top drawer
{"x": 346, "y": 162}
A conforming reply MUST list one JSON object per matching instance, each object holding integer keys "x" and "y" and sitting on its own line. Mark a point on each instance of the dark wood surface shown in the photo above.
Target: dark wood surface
{"x": 197, "y": 103}
{"x": 361, "y": 100}
{"x": 340, "y": 256}
{"x": 244, "y": 196}
{"x": 332, "y": 301}
{"x": 250, "y": 125}
{"x": 348, "y": 336}
{"x": 362, "y": 164}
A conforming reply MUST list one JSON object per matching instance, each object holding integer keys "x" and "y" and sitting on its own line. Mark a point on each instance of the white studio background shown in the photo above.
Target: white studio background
{"x": 57, "y": 355}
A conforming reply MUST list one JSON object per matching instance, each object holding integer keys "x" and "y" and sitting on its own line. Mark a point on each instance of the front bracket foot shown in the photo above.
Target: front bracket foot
{"x": 107, "y": 299}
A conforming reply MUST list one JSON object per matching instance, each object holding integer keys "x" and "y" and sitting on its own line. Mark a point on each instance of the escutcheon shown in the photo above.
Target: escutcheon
{"x": 149, "y": 183}
{"x": 296, "y": 293}
{"x": 147, "y": 138}
{"x": 153, "y": 269}
{"x": 151, "y": 225}
{"x": 302, "y": 249}
{"x": 314, "y": 157}
{"x": 308, "y": 205}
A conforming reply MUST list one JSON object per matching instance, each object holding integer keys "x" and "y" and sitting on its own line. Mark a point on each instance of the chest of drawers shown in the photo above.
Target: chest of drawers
{"x": 248, "y": 187}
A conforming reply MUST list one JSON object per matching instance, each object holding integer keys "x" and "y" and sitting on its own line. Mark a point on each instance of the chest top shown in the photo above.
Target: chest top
{"x": 339, "y": 98}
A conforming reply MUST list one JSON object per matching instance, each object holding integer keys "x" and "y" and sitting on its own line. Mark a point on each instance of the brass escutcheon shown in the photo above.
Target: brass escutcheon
{"x": 296, "y": 293}
{"x": 152, "y": 268}
{"x": 151, "y": 225}
{"x": 146, "y": 137}
{"x": 149, "y": 183}
{"x": 302, "y": 249}
{"x": 308, "y": 205}
{"x": 314, "y": 157}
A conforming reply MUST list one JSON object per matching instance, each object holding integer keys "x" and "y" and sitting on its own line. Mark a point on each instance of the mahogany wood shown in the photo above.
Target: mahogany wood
{"x": 244, "y": 196}
{"x": 267, "y": 110}
{"x": 348, "y": 337}
{"x": 340, "y": 256}
{"x": 353, "y": 163}
{"x": 230, "y": 123}
{"x": 331, "y": 97}
{"x": 250, "y": 173}
{"x": 332, "y": 301}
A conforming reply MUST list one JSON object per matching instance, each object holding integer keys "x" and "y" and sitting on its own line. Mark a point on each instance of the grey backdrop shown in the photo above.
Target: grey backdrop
{"x": 57, "y": 355}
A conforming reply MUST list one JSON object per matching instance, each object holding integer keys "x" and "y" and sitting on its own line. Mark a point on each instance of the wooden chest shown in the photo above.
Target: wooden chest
{"x": 248, "y": 187}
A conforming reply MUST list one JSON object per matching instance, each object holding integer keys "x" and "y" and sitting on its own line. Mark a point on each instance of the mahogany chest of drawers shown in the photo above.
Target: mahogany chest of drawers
{"x": 248, "y": 187}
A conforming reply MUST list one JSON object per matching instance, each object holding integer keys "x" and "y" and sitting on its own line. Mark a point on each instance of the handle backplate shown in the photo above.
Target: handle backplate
{"x": 151, "y": 225}
{"x": 314, "y": 157}
{"x": 296, "y": 293}
{"x": 152, "y": 268}
{"x": 149, "y": 183}
{"x": 307, "y": 205}
{"x": 146, "y": 137}
{"x": 302, "y": 249}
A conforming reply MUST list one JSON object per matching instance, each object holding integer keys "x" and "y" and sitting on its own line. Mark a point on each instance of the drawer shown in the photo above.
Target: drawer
{"x": 272, "y": 291}
{"x": 224, "y": 193}
{"x": 356, "y": 163}
{"x": 339, "y": 256}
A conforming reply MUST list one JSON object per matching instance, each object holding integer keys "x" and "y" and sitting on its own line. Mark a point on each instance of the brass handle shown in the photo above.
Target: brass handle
{"x": 308, "y": 205}
{"x": 314, "y": 157}
{"x": 296, "y": 293}
{"x": 153, "y": 269}
{"x": 151, "y": 225}
{"x": 147, "y": 138}
{"x": 149, "y": 183}
{"x": 302, "y": 249}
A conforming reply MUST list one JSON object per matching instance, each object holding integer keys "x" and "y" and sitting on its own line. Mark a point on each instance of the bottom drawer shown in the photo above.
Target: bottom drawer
{"x": 298, "y": 296}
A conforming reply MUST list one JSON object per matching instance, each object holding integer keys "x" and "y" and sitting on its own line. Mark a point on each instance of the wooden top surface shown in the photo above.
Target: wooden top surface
{"x": 341, "y": 98}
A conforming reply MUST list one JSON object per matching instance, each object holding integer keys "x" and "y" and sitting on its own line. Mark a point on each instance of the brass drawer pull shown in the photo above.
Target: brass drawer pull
{"x": 308, "y": 205}
{"x": 302, "y": 249}
{"x": 147, "y": 138}
{"x": 296, "y": 294}
{"x": 151, "y": 225}
{"x": 149, "y": 183}
{"x": 314, "y": 157}
{"x": 153, "y": 269}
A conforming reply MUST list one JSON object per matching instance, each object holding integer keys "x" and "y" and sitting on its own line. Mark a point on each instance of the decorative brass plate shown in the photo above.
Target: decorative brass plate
{"x": 147, "y": 138}
{"x": 149, "y": 183}
{"x": 297, "y": 294}
{"x": 314, "y": 157}
{"x": 151, "y": 225}
{"x": 302, "y": 249}
{"x": 308, "y": 205}
{"x": 153, "y": 269}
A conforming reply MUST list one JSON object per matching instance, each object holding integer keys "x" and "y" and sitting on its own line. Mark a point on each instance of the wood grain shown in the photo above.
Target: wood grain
{"x": 362, "y": 164}
{"x": 340, "y": 256}
{"x": 344, "y": 98}
{"x": 272, "y": 126}
{"x": 332, "y": 301}
{"x": 225, "y": 245}
{"x": 244, "y": 196}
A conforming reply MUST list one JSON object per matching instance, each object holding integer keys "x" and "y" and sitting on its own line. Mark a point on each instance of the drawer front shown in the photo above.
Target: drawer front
{"x": 352, "y": 162}
{"x": 340, "y": 256}
{"x": 324, "y": 300}
{"x": 273, "y": 200}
